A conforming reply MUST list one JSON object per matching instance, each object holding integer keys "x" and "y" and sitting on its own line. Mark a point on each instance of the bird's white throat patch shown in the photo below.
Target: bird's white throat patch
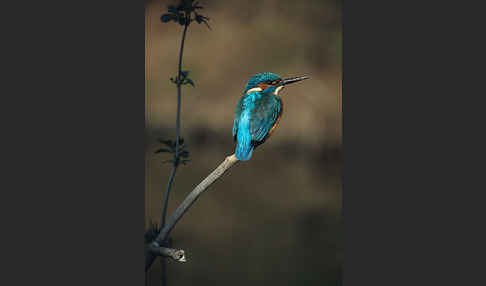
{"x": 255, "y": 89}
{"x": 278, "y": 89}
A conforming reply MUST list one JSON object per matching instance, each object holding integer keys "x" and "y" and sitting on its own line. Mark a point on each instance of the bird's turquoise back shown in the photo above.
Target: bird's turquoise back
{"x": 256, "y": 114}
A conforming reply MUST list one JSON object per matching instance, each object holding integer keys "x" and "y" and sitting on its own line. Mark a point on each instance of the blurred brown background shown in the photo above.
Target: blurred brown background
{"x": 276, "y": 219}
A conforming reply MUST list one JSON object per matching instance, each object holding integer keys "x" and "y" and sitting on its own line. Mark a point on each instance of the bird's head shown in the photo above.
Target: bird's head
{"x": 270, "y": 83}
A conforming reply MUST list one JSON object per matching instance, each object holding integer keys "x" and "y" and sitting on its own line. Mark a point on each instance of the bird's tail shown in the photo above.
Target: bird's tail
{"x": 244, "y": 149}
{"x": 243, "y": 152}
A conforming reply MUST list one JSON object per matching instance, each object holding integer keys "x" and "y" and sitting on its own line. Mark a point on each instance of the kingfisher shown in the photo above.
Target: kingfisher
{"x": 258, "y": 111}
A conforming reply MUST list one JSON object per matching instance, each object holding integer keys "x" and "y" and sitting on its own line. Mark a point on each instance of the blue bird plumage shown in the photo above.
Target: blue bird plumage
{"x": 258, "y": 112}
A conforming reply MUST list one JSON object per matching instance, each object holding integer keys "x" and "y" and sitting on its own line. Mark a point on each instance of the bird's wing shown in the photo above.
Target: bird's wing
{"x": 263, "y": 117}
{"x": 239, "y": 109}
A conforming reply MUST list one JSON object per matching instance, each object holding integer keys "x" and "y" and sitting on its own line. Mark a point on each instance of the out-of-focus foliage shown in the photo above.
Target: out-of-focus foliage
{"x": 171, "y": 148}
{"x": 184, "y": 13}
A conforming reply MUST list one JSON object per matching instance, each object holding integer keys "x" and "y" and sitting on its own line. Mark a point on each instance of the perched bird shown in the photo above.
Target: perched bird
{"x": 258, "y": 111}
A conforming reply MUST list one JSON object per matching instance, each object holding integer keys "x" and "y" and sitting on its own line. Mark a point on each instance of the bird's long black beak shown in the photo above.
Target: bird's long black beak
{"x": 290, "y": 80}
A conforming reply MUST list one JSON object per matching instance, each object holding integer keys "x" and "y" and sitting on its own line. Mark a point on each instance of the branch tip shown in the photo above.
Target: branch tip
{"x": 176, "y": 254}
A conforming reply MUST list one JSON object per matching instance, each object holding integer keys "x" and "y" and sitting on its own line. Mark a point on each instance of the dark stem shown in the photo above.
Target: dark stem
{"x": 165, "y": 201}
{"x": 163, "y": 262}
{"x": 179, "y": 82}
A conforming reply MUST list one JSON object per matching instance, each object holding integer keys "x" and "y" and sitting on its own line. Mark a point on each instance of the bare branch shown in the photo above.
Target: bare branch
{"x": 186, "y": 204}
